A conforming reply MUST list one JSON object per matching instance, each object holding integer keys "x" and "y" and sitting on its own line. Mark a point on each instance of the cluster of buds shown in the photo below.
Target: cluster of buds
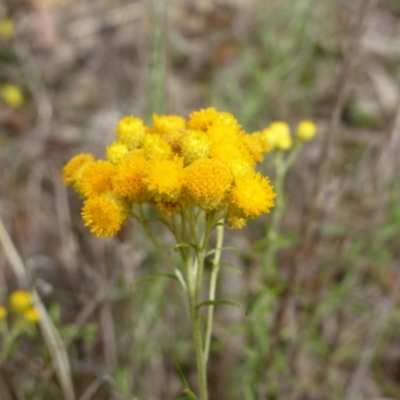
{"x": 206, "y": 162}
{"x": 21, "y": 305}
{"x": 280, "y": 139}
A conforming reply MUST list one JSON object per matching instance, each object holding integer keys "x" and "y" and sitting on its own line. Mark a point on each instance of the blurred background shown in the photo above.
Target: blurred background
{"x": 324, "y": 322}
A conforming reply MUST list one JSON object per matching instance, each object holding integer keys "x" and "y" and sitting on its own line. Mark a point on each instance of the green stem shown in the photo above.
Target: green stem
{"x": 194, "y": 288}
{"x": 212, "y": 289}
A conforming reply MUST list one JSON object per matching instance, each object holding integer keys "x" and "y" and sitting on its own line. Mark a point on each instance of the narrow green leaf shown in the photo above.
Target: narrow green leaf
{"x": 184, "y": 245}
{"x": 209, "y": 253}
{"x": 230, "y": 265}
{"x": 219, "y": 303}
{"x": 188, "y": 394}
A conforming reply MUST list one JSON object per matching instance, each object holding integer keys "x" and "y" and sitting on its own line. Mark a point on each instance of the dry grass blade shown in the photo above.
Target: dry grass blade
{"x": 50, "y": 334}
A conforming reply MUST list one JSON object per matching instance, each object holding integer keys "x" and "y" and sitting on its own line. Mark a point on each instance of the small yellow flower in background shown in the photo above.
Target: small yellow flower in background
{"x": 3, "y": 313}
{"x": 32, "y": 315}
{"x": 6, "y": 28}
{"x": 278, "y": 136}
{"x": 20, "y": 301}
{"x": 306, "y": 130}
{"x": 12, "y": 95}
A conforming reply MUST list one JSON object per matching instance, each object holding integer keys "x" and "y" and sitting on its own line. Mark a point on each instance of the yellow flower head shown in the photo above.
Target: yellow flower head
{"x": 32, "y": 315}
{"x": 207, "y": 181}
{"x": 104, "y": 214}
{"x": 195, "y": 144}
{"x": 3, "y": 313}
{"x": 257, "y": 144}
{"x": 306, "y": 130}
{"x": 251, "y": 196}
{"x": 20, "y": 301}
{"x": 278, "y": 136}
{"x": 236, "y": 222}
{"x": 97, "y": 178}
{"x": 226, "y": 150}
{"x": 156, "y": 148}
{"x": 12, "y": 95}
{"x": 203, "y": 119}
{"x": 116, "y": 151}
{"x": 72, "y": 171}
{"x": 168, "y": 123}
{"x": 6, "y": 28}
{"x": 226, "y": 120}
{"x": 239, "y": 167}
{"x": 130, "y": 131}
{"x": 128, "y": 180}
{"x": 165, "y": 179}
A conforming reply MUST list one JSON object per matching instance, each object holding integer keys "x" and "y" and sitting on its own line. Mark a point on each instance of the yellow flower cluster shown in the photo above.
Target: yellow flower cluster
{"x": 279, "y": 137}
{"x": 21, "y": 304}
{"x": 206, "y": 162}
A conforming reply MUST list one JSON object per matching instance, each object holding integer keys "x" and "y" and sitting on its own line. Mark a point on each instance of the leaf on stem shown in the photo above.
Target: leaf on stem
{"x": 221, "y": 302}
{"x": 209, "y": 253}
{"x": 184, "y": 245}
{"x": 226, "y": 264}
{"x": 188, "y": 394}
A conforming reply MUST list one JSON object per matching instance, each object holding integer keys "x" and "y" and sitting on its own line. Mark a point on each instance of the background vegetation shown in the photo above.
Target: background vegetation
{"x": 322, "y": 317}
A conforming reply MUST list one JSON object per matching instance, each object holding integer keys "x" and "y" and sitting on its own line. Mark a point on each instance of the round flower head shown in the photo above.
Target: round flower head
{"x": 230, "y": 149}
{"x": 203, "y": 119}
{"x": 104, "y": 214}
{"x": 72, "y": 171}
{"x": 239, "y": 167}
{"x": 156, "y": 148}
{"x": 6, "y": 28}
{"x": 168, "y": 123}
{"x": 12, "y": 95}
{"x": 116, "y": 151}
{"x": 165, "y": 179}
{"x": 278, "y": 136}
{"x": 96, "y": 178}
{"x": 251, "y": 196}
{"x": 130, "y": 131}
{"x": 128, "y": 180}
{"x": 195, "y": 144}
{"x": 3, "y": 313}
{"x": 225, "y": 119}
{"x": 207, "y": 181}
{"x": 20, "y": 301}
{"x": 32, "y": 315}
{"x": 306, "y": 130}
{"x": 257, "y": 145}
{"x": 236, "y": 222}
